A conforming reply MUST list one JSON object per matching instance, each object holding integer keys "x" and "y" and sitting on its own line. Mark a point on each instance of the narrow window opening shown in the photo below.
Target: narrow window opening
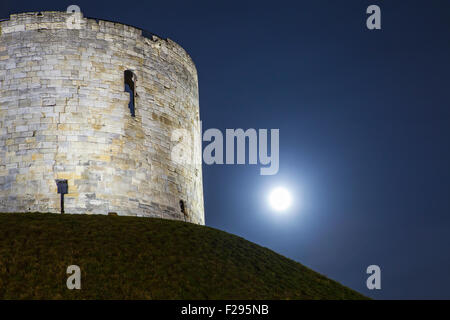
{"x": 130, "y": 88}
{"x": 182, "y": 207}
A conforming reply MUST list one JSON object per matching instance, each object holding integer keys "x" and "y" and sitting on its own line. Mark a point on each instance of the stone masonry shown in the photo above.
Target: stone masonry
{"x": 64, "y": 114}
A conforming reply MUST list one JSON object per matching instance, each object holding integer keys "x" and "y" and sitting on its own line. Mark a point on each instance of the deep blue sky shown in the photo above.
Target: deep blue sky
{"x": 364, "y": 119}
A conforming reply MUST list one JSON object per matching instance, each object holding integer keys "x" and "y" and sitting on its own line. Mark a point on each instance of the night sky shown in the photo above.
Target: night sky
{"x": 364, "y": 119}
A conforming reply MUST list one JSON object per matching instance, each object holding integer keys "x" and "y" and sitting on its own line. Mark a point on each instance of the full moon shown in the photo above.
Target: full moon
{"x": 280, "y": 199}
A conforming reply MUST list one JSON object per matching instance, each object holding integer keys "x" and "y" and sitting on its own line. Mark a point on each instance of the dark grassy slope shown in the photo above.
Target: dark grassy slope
{"x": 140, "y": 258}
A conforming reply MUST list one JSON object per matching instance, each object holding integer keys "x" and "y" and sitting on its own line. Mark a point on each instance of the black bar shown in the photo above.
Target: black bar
{"x": 276, "y": 310}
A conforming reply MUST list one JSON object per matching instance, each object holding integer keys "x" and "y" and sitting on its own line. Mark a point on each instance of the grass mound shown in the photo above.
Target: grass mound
{"x": 143, "y": 258}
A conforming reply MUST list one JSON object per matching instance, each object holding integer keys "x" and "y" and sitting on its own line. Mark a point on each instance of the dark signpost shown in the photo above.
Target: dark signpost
{"x": 63, "y": 189}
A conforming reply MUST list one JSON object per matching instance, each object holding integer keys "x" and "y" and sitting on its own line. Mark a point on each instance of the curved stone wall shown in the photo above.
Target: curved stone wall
{"x": 64, "y": 115}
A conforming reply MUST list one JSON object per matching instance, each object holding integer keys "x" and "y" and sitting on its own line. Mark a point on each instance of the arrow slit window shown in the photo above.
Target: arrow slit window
{"x": 130, "y": 87}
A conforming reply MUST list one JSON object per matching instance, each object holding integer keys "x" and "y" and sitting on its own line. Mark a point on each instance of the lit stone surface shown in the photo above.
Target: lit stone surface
{"x": 64, "y": 115}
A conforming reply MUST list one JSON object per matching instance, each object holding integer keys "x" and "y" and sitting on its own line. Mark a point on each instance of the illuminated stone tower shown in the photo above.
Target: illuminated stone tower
{"x": 96, "y": 104}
